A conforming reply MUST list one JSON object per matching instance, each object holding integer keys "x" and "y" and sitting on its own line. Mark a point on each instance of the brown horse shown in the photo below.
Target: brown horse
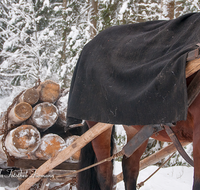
{"x": 101, "y": 178}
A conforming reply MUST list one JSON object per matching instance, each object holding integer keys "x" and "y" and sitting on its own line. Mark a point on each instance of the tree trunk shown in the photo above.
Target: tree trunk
{"x": 44, "y": 115}
{"x": 171, "y": 9}
{"x": 49, "y": 147}
{"x": 30, "y": 96}
{"x": 22, "y": 140}
{"x": 94, "y": 19}
{"x": 49, "y": 91}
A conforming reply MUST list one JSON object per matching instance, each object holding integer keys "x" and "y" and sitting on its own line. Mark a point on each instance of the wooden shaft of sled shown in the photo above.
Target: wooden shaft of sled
{"x": 65, "y": 154}
{"x": 154, "y": 158}
{"x": 192, "y": 67}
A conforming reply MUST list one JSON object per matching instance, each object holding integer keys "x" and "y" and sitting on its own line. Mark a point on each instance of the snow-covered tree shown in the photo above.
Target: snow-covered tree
{"x": 40, "y": 39}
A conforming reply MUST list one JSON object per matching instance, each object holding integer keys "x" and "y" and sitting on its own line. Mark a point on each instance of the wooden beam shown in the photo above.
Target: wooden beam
{"x": 193, "y": 88}
{"x": 65, "y": 154}
{"x": 28, "y": 163}
{"x": 192, "y": 67}
{"x": 154, "y": 158}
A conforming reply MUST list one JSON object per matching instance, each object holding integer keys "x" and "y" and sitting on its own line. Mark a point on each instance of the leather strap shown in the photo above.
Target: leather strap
{"x": 140, "y": 137}
{"x": 178, "y": 145}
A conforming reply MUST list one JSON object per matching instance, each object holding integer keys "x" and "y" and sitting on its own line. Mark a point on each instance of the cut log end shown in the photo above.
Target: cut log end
{"x": 30, "y": 96}
{"x": 20, "y": 113}
{"x": 69, "y": 141}
{"x": 44, "y": 115}
{"x": 23, "y": 111}
{"x": 49, "y": 147}
{"x": 22, "y": 140}
{"x": 49, "y": 91}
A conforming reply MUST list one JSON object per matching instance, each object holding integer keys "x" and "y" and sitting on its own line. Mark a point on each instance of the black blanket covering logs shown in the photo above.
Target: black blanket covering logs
{"x": 135, "y": 74}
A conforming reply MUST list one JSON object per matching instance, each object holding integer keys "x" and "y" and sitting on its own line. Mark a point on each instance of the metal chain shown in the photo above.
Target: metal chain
{"x": 37, "y": 83}
{"x": 5, "y": 129}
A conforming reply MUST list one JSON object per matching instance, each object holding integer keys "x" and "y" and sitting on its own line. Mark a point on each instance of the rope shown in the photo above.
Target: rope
{"x": 139, "y": 185}
{"x": 91, "y": 166}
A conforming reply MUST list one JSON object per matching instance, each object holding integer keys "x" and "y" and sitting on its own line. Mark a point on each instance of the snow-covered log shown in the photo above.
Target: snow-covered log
{"x": 22, "y": 140}
{"x": 49, "y": 91}
{"x": 49, "y": 146}
{"x": 61, "y": 104}
{"x": 69, "y": 141}
{"x": 44, "y": 115}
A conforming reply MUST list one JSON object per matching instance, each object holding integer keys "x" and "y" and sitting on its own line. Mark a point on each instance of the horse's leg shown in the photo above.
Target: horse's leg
{"x": 131, "y": 165}
{"x": 102, "y": 149}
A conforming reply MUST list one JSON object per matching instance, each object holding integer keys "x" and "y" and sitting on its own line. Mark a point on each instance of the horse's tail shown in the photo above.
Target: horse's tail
{"x": 87, "y": 180}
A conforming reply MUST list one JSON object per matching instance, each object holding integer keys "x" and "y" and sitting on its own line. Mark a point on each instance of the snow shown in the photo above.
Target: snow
{"x": 173, "y": 178}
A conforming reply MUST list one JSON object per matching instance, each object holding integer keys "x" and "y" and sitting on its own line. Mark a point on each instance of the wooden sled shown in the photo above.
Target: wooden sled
{"x": 192, "y": 67}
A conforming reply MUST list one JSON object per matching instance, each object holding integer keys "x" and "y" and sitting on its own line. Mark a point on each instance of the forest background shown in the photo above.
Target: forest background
{"x": 42, "y": 39}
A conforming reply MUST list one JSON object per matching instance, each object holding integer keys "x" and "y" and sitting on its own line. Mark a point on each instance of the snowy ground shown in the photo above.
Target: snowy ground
{"x": 173, "y": 178}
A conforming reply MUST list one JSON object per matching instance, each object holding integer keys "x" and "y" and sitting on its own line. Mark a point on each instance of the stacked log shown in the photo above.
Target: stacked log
{"x": 49, "y": 91}
{"x": 50, "y": 146}
{"x": 22, "y": 140}
{"x": 69, "y": 141}
{"x": 19, "y": 113}
{"x": 30, "y": 96}
{"x": 44, "y": 115}
{"x": 34, "y": 111}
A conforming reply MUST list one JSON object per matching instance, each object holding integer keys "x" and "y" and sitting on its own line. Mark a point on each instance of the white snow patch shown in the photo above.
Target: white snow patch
{"x": 173, "y": 178}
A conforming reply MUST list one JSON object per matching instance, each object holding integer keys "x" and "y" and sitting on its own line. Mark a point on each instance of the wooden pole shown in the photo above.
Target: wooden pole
{"x": 192, "y": 67}
{"x": 154, "y": 158}
{"x": 65, "y": 154}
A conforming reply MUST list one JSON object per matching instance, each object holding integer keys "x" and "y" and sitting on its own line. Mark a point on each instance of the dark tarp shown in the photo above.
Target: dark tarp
{"x": 135, "y": 74}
